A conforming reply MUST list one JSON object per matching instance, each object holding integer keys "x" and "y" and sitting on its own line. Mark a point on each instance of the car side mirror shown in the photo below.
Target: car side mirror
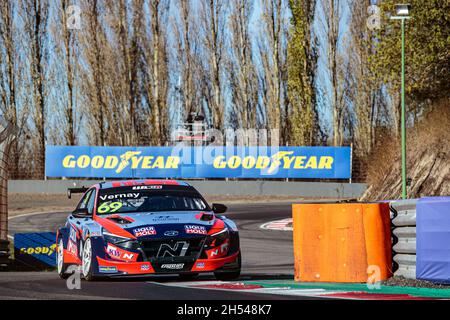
{"x": 81, "y": 213}
{"x": 219, "y": 208}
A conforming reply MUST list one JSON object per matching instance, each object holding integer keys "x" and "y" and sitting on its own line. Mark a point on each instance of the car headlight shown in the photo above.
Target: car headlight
{"x": 123, "y": 242}
{"x": 217, "y": 239}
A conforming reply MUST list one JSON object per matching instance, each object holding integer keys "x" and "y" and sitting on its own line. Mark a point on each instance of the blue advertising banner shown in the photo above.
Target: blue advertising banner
{"x": 36, "y": 250}
{"x": 198, "y": 162}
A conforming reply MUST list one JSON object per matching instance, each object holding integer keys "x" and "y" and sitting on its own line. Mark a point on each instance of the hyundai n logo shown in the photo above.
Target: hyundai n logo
{"x": 171, "y": 233}
{"x": 178, "y": 249}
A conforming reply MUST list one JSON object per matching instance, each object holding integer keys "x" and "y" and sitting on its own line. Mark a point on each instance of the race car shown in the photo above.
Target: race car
{"x": 141, "y": 227}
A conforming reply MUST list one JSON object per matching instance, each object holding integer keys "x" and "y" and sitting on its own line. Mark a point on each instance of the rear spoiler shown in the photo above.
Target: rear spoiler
{"x": 75, "y": 190}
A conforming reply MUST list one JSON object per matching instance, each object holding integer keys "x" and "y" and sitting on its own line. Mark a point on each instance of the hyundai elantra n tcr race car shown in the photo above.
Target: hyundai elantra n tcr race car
{"x": 144, "y": 227}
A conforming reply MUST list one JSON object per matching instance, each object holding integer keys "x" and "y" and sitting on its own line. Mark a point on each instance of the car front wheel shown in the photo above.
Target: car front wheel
{"x": 61, "y": 266}
{"x": 86, "y": 262}
{"x": 230, "y": 274}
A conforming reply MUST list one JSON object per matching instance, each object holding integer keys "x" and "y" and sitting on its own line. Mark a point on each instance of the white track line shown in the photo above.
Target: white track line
{"x": 280, "y": 225}
{"x": 204, "y": 285}
{"x": 30, "y": 214}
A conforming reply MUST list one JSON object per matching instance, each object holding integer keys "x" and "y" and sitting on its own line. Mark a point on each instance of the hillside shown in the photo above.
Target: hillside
{"x": 428, "y": 160}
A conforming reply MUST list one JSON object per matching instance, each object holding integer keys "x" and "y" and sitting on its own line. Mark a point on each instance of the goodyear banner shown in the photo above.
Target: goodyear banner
{"x": 36, "y": 250}
{"x": 198, "y": 162}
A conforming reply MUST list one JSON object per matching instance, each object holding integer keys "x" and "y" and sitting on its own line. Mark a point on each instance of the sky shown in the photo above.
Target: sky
{"x": 323, "y": 79}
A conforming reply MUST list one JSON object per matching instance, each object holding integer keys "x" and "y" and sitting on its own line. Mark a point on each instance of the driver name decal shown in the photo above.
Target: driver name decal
{"x": 120, "y": 196}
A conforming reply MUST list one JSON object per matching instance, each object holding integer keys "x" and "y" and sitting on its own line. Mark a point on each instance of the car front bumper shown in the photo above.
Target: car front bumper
{"x": 110, "y": 267}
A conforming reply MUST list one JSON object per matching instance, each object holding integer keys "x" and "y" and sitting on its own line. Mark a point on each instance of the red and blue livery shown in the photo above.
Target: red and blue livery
{"x": 141, "y": 227}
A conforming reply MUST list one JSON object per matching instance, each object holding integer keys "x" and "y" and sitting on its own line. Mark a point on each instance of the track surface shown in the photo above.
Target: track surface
{"x": 267, "y": 254}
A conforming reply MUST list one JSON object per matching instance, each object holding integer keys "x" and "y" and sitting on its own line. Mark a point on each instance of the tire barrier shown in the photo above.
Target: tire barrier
{"x": 4, "y": 252}
{"x": 341, "y": 242}
{"x": 403, "y": 213}
{"x": 35, "y": 250}
{"x": 433, "y": 239}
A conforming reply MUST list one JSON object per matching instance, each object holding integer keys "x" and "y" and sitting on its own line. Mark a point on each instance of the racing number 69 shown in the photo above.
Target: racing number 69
{"x": 111, "y": 207}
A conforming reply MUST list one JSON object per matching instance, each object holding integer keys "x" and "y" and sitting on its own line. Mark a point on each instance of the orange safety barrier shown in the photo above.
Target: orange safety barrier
{"x": 340, "y": 242}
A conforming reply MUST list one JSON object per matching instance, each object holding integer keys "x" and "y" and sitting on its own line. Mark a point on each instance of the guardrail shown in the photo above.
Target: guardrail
{"x": 336, "y": 190}
{"x": 403, "y": 214}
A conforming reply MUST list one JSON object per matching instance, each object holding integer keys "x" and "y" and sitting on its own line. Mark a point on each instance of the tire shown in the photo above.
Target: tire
{"x": 61, "y": 267}
{"x": 187, "y": 276}
{"x": 87, "y": 261}
{"x": 231, "y": 274}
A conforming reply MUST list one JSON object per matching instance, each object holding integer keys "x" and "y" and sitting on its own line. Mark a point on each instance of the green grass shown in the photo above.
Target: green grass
{"x": 359, "y": 287}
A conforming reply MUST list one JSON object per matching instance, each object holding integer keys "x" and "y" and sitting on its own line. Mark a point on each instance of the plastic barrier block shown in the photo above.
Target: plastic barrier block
{"x": 342, "y": 242}
{"x": 433, "y": 239}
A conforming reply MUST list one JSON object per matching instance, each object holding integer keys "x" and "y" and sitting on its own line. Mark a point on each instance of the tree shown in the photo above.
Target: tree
{"x": 302, "y": 67}
{"x": 136, "y": 70}
{"x": 185, "y": 52}
{"x": 92, "y": 77}
{"x": 331, "y": 25}
{"x": 241, "y": 69}
{"x": 427, "y": 51}
{"x": 121, "y": 83}
{"x": 191, "y": 63}
{"x": 212, "y": 20}
{"x": 273, "y": 69}
{"x": 363, "y": 91}
{"x": 36, "y": 18}
{"x": 157, "y": 67}
{"x": 68, "y": 43}
{"x": 8, "y": 76}
{"x": 128, "y": 72}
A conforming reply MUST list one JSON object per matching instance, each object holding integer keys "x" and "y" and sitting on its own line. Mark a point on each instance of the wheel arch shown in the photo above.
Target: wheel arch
{"x": 62, "y": 233}
{"x": 234, "y": 235}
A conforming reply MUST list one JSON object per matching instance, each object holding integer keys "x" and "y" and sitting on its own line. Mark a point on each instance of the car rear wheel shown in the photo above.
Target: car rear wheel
{"x": 232, "y": 274}
{"x": 61, "y": 266}
{"x": 86, "y": 262}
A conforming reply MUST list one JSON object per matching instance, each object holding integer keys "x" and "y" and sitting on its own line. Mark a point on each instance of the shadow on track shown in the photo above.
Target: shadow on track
{"x": 176, "y": 278}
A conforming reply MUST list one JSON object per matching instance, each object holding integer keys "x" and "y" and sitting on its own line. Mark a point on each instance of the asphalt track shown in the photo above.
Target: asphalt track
{"x": 267, "y": 254}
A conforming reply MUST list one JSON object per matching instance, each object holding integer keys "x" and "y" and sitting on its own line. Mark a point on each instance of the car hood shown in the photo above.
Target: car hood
{"x": 166, "y": 224}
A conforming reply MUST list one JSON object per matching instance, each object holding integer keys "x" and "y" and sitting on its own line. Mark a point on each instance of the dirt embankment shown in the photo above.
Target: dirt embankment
{"x": 428, "y": 160}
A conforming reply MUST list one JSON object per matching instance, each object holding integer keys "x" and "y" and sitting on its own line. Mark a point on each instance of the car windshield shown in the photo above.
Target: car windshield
{"x": 145, "y": 201}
